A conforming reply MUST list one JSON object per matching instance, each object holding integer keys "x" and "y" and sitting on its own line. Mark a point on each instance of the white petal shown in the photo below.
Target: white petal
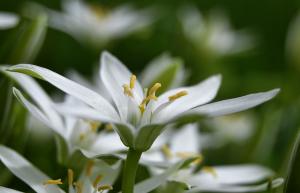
{"x": 235, "y": 105}
{"x": 235, "y": 188}
{"x": 186, "y": 139}
{"x": 230, "y": 175}
{"x": 114, "y": 75}
{"x": 82, "y": 93}
{"x": 37, "y": 113}
{"x": 8, "y": 20}
{"x": 197, "y": 95}
{"x": 26, "y": 172}
{"x": 8, "y": 190}
{"x": 108, "y": 143}
{"x": 39, "y": 96}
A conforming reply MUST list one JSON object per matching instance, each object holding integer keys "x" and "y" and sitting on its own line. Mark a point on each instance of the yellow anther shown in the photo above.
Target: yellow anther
{"x": 153, "y": 90}
{"x": 132, "y": 81}
{"x": 95, "y": 125}
{"x": 89, "y": 168}
{"x": 70, "y": 177}
{"x": 53, "y": 182}
{"x": 167, "y": 151}
{"x": 97, "y": 180}
{"x": 127, "y": 90}
{"x": 210, "y": 170}
{"x": 104, "y": 187}
{"x": 185, "y": 155}
{"x": 109, "y": 127}
{"x": 81, "y": 136}
{"x": 78, "y": 186}
{"x": 178, "y": 95}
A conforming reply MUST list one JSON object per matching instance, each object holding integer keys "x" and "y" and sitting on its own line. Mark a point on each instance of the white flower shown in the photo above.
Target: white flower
{"x": 8, "y": 20}
{"x": 96, "y": 177}
{"x": 77, "y": 133}
{"x": 214, "y": 34}
{"x": 137, "y": 114}
{"x": 186, "y": 143}
{"x": 92, "y": 24}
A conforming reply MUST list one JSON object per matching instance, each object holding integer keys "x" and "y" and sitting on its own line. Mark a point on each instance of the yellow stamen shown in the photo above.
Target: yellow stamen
{"x": 78, "y": 187}
{"x": 132, "y": 81}
{"x": 94, "y": 125}
{"x": 167, "y": 151}
{"x": 185, "y": 155}
{"x": 108, "y": 127}
{"x": 97, "y": 180}
{"x": 127, "y": 90}
{"x": 210, "y": 170}
{"x": 70, "y": 177}
{"x": 153, "y": 90}
{"x": 151, "y": 96}
{"x": 53, "y": 182}
{"x": 89, "y": 168}
{"x": 81, "y": 136}
{"x": 104, "y": 187}
{"x": 178, "y": 95}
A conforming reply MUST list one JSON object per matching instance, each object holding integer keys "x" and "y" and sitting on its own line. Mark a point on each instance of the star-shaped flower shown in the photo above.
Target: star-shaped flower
{"x": 138, "y": 115}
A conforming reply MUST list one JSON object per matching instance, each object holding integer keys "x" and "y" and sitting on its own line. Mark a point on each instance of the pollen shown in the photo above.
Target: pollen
{"x": 210, "y": 170}
{"x": 104, "y": 187}
{"x": 109, "y": 127}
{"x": 89, "y": 168}
{"x": 127, "y": 90}
{"x": 167, "y": 151}
{"x": 132, "y": 81}
{"x": 94, "y": 126}
{"x": 178, "y": 95}
{"x": 70, "y": 177}
{"x": 151, "y": 96}
{"x": 97, "y": 180}
{"x": 53, "y": 182}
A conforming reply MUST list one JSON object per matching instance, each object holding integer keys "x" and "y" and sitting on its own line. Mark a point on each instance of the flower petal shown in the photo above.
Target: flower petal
{"x": 39, "y": 96}
{"x": 8, "y": 20}
{"x": 37, "y": 113}
{"x": 8, "y": 190}
{"x": 230, "y": 175}
{"x": 82, "y": 93}
{"x": 235, "y": 105}
{"x": 107, "y": 143}
{"x": 114, "y": 75}
{"x": 197, "y": 95}
{"x": 26, "y": 172}
{"x": 236, "y": 188}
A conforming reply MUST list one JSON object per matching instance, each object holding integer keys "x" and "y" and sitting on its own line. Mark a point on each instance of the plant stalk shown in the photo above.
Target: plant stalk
{"x": 129, "y": 170}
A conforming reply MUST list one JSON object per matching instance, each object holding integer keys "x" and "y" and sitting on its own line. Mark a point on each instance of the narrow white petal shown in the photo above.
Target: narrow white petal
{"x": 39, "y": 96}
{"x": 26, "y": 172}
{"x": 186, "y": 140}
{"x": 8, "y": 20}
{"x": 231, "y": 175}
{"x": 114, "y": 75}
{"x": 197, "y": 95}
{"x": 37, "y": 113}
{"x": 235, "y": 188}
{"x": 108, "y": 143}
{"x": 235, "y": 105}
{"x": 82, "y": 93}
{"x": 8, "y": 190}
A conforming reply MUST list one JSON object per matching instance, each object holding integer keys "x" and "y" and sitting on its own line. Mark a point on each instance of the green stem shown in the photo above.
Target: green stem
{"x": 129, "y": 170}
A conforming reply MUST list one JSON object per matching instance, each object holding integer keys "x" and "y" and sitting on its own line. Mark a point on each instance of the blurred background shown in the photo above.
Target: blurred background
{"x": 254, "y": 45}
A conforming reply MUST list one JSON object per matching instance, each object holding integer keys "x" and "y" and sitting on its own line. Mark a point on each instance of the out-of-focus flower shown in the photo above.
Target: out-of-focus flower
{"x": 77, "y": 133}
{"x": 95, "y": 25}
{"x": 97, "y": 176}
{"x": 8, "y": 20}
{"x": 137, "y": 114}
{"x": 213, "y": 35}
{"x": 228, "y": 129}
{"x": 293, "y": 42}
{"x": 185, "y": 143}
